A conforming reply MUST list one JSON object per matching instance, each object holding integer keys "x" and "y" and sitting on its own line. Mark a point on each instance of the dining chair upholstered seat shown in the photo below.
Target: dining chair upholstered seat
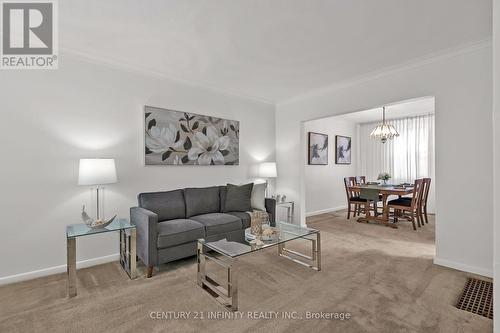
{"x": 358, "y": 199}
{"x": 401, "y": 201}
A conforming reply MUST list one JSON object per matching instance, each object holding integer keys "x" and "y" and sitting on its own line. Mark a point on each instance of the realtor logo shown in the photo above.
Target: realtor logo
{"x": 29, "y": 35}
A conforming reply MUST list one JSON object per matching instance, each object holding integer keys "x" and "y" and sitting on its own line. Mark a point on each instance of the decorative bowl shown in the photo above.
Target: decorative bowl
{"x": 99, "y": 224}
{"x": 269, "y": 234}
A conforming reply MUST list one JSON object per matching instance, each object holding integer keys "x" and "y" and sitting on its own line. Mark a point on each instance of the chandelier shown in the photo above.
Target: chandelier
{"x": 384, "y": 131}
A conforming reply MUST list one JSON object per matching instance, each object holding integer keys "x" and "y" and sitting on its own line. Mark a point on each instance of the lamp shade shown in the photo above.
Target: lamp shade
{"x": 97, "y": 171}
{"x": 267, "y": 170}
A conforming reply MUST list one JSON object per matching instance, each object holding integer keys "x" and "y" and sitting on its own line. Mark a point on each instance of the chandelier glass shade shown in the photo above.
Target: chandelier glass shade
{"x": 383, "y": 131}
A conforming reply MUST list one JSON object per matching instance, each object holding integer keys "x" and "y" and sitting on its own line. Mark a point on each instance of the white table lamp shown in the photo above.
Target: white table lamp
{"x": 97, "y": 172}
{"x": 267, "y": 170}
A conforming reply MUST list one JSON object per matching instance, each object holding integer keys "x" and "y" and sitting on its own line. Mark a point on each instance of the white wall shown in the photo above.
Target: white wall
{"x": 462, "y": 85}
{"x": 324, "y": 183}
{"x": 50, "y": 119}
{"x": 496, "y": 124}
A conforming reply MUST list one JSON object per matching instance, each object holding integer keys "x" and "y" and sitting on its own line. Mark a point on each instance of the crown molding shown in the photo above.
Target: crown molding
{"x": 408, "y": 65}
{"x": 119, "y": 64}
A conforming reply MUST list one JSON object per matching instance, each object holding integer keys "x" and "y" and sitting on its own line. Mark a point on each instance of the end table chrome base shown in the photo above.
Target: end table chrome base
{"x": 128, "y": 252}
{"x": 128, "y": 258}
{"x": 226, "y": 294}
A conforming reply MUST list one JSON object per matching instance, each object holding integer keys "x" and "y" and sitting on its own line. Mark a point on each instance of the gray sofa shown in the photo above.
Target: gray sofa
{"x": 169, "y": 223}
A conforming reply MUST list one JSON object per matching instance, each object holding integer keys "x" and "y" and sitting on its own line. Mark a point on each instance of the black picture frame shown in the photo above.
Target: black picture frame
{"x": 317, "y": 149}
{"x": 343, "y": 150}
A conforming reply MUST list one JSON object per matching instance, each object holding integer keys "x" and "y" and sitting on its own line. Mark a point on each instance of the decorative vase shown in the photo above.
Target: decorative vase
{"x": 385, "y": 181}
{"x": 256, "y": 221}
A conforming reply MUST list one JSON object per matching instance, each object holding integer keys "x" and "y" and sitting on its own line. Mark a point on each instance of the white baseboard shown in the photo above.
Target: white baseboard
{"x": 323, "y": 211}
{"x": 462, "y": 267}
{"x": 57, "y": 269}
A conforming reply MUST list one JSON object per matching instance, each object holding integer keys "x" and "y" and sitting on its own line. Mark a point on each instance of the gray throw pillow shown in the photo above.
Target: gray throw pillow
{"x": 238, "y": 198}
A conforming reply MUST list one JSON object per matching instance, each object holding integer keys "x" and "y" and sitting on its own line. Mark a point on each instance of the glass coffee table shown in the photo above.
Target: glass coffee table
{"x": 225, "y": 253}
{"x": 127, "y": 247}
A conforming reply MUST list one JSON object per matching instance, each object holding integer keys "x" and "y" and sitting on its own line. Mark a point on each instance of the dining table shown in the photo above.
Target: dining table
{"x": 384, "y": 190}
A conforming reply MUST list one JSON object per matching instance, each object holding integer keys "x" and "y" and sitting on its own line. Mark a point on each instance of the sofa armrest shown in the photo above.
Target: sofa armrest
{"x": 146, "y": 223}
{"x": 271, "y": 209}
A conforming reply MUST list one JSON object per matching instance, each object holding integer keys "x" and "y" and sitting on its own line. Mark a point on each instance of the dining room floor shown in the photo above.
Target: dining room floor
{"x": 383, "y": 277}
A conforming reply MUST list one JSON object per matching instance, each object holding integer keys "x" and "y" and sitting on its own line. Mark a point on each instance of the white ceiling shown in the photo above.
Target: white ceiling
{"x": 269, "y": 49}
{"x": 410, "y": 108}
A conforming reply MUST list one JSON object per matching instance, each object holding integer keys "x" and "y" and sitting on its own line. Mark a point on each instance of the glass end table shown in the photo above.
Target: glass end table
{"x": 290, "y": 209}
{"x": 127, "y": 247}
{"x": 225, "y": 253}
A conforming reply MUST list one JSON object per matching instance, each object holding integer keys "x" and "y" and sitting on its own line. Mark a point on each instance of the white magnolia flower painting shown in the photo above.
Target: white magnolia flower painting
{"x": 181, "y": 138}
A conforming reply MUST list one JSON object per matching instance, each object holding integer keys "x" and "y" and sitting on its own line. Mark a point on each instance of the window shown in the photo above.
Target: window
{"x": 407, "y": 157}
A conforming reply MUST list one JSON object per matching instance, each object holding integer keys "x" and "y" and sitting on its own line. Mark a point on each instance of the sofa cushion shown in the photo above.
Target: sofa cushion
{"x": 238, "y": 198}
{"x": 167, "y": 205}
{"x": 222, "y": 197}
{"x": 218, "y": 223}
{"x": 179, "y": 231}
{"x": 202, "y": 200}
{"x": 244, "y": 217}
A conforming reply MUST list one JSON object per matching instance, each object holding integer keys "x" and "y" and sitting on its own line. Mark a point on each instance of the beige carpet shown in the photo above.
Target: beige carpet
{"x": 383, "y": 277}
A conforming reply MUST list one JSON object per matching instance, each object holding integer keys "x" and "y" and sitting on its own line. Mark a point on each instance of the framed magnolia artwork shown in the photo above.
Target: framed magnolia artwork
{"x": 181, "y": 138}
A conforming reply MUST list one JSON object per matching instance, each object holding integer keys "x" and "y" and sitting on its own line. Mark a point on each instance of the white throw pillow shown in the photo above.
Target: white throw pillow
{"x": 259, "y": 196}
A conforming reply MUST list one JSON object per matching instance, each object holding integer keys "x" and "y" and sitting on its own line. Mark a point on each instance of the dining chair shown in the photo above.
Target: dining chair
{"x": 425, "y": 196}
{"x": 369, "y": 196}
{"x": 353, "y": 198}
{"x": 360, "y": 180}
{"x": 413, "y": 206}
{"x": 423, "y": 200}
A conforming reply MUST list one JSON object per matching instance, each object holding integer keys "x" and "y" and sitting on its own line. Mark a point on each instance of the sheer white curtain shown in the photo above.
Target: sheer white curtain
{"x": 407, "y": 157}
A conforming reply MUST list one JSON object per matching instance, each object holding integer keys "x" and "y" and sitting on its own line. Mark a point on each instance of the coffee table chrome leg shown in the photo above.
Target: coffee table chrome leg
{"x": 201, "y": 265}
{"x": 226, "y": 295}
{"x": 71, "y": 265}
{"x": 318, "y": 251}
{"x": 314, "y": 261}
{"x": 232, "y": 287}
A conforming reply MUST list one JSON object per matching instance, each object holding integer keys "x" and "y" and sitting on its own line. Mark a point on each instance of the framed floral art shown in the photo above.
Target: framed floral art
{"x": 181, "y": 138}
{"x": 317, "y": 149}
{"x": 342, "y": 149}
